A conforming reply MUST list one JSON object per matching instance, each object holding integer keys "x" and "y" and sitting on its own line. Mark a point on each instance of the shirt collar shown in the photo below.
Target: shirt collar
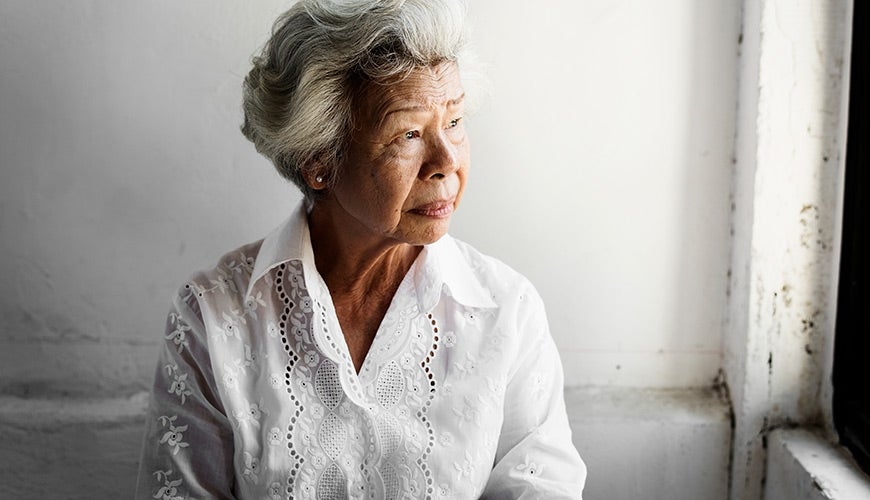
{"x": 441, "y": 264}
{"x": 285, "y": 243}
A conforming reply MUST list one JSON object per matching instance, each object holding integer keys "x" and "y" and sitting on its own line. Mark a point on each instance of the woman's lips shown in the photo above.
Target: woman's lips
{"x": 437, "y": 209}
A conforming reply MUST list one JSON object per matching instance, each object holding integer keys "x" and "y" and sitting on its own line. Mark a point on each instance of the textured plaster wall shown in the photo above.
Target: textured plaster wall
{"x": 601, "y": 169}
{"x": 122, "y": 171}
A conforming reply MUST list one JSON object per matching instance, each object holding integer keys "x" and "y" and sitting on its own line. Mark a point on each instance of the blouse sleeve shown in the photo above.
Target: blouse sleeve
{"x": 535, "y": 456}
{"x": 188, "y": 445}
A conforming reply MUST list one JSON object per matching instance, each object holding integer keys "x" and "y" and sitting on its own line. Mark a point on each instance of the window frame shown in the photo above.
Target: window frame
{"x": 851, "y": 370}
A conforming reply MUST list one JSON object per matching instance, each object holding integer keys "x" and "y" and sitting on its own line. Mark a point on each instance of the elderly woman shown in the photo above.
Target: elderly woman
{"x": 358, "y": 351}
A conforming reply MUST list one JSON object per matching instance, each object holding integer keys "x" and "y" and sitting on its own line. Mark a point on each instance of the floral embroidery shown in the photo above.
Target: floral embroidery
{"x": 305, "y": 304}
{"x": 537, "y": 380}
{"x": 251, "y": 304}
{"x": 169, "y": 490}
{"x": 318, "y": 461}
{"x": 249, "y": 362}
{"x": 298, "y": 330}
{"x": 311, "y": 358}
{"x": 468, "y": 366}
{"x": 317, "y": 412}
{"x": 178, "y": 335}
{"x": 410, "y": 486}
{"x": 465, "y": 468}
{"x": 276, "y": 437}
{"x": 179, "y": 385}
{"x": 444, "y": 491}
{"x": 530, "y": 468}
{"x": 272, "y": 330}
{"x": 230, "y": 378}
{"x": 407, "y": 361}
{"x": 496, "y": 390}
{"x": 445, "y": 439}
{"x": 252, "y": 468}
{"x": 250, "y": 415}
{"x": 244, "y": 266}
{"x": 275, "y": 491}
{"x": 471, "y": 411}
{"x": 450, "y": 339}
{"x": 230, "y": 326}
{"x": 174, "y": 437}
{"x": 494, "y": 347}
{"x": 224, "y": 282}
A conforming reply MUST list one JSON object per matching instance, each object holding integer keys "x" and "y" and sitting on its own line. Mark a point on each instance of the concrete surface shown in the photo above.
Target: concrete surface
{"x": 802, "y": 465}
{"x": 652, "y": 445}
{"x": 63, "y": 448}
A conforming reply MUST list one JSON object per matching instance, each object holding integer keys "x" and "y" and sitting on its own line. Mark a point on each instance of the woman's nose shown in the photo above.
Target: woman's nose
{"x": 442, "y": 158}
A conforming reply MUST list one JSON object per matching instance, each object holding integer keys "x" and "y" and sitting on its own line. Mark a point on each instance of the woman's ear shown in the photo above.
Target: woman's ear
{"x": 315, "y": 176}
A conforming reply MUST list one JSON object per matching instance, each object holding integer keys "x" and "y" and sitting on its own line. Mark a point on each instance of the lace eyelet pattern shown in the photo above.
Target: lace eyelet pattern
{"x": 422, "y": 413}
{"x": 292, "y": 359}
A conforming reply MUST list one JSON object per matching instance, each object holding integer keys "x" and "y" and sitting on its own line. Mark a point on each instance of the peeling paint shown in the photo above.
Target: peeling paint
{"x": 791, "y": 117}
{"x": 786, "y": 294}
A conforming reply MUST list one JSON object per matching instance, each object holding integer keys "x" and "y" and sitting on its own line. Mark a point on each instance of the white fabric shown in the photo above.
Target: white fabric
{"x": 256, "y": 396}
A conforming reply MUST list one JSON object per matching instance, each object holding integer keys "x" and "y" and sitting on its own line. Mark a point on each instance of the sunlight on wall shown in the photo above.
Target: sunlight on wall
{"x": 601, "y": 171}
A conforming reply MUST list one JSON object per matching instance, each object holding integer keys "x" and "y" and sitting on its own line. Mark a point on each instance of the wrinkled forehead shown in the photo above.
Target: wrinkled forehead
{"x": 425, "y": 88}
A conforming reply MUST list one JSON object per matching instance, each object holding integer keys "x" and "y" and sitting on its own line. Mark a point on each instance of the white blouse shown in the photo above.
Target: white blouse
{"x": 256, "y": 396}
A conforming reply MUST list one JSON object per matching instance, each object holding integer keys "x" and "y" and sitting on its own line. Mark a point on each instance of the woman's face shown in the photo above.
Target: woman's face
{"x": 407, "y": 162}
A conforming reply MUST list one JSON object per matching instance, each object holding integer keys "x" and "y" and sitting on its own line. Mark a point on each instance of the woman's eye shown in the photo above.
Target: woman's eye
{"x": 412, "y": 134}
{"x": 454, "y": 123}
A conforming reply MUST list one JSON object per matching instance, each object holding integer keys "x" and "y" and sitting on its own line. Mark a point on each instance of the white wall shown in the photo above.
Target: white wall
{"x": 601, "y": 170}
{"x": 123, "y": 171}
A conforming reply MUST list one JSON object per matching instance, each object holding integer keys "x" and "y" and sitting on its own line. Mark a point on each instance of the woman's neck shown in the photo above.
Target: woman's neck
{"x": 362, "y": 275}
{"x": 354, "y": 266}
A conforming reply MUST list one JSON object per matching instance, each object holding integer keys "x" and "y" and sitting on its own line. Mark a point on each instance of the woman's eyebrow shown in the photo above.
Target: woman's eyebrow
{"x": 416, "y": 108}
{"x": 458, "y": 100}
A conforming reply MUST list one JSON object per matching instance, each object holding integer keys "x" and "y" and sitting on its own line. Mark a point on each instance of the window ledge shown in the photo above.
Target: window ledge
{"x": 801, "y": 465}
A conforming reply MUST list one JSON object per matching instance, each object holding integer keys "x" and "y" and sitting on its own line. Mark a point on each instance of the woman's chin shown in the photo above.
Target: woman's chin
{"x": 430, "y": 233}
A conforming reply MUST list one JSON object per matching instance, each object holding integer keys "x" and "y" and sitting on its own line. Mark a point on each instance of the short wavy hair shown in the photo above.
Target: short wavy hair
{"x": 299, "y": 95}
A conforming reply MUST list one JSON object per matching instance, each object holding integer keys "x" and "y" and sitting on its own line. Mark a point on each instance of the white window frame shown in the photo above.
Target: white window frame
{"x": 787, "y": 205}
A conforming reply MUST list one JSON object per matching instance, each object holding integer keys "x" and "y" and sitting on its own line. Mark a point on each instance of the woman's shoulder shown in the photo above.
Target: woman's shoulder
{"x": 229, "y": 276}
{"x": 493, "y": 273}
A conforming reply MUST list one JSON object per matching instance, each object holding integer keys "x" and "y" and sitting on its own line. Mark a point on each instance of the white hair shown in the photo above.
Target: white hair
{"x": 299, "y": 95}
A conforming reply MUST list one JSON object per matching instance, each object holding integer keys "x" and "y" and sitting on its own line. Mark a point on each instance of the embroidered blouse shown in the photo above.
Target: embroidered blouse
{"x": 256, "y": 396}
